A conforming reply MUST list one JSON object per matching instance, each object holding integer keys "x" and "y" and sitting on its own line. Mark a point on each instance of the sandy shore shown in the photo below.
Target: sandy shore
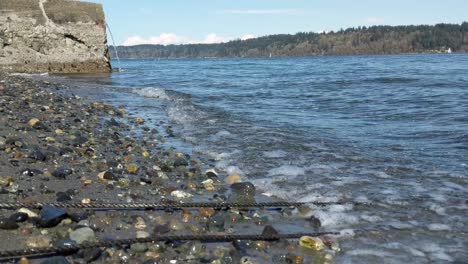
{"x": 62, "y": 148}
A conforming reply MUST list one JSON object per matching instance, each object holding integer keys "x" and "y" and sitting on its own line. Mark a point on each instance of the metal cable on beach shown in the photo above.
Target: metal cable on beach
{"x": 153, "y": 206}
{"x": 163, "y": 205}
{"x": 69, "y": 249}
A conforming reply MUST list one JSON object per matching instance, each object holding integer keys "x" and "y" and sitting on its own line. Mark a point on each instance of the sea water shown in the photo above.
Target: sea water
{"x": 391, "y": 131}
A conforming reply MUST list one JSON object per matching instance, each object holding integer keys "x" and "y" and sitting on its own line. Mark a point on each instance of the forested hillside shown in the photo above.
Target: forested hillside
{"x": 361, "y": 40}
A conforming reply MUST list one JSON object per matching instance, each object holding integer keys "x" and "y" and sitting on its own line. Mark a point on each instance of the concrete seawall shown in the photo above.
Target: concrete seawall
{"x": 56, "y": 36}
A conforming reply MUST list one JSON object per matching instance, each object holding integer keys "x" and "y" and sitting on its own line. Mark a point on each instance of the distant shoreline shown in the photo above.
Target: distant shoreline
{"x": 375, "y": 40}
{"x": 305, "y": 56}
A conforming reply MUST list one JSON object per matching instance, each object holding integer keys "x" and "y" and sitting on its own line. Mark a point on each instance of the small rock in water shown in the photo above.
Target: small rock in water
{"x": 270, "y": 231}
{"x": 311, "y": 242}
{"x": 242, "y": 192}
{"x": 233, "y": 178}
{"x": 243, "y": 188}
{"x": 180, "y": 162}
{"x": 140, "y": 120}
{"x": 211, "y": 173}
{"x": 51, "y": 216}
{"x": 83, "y": 234}
{"x": 315, "y": 222}
{"x": 8, "y": 224}
{"x": 216, "y": 223}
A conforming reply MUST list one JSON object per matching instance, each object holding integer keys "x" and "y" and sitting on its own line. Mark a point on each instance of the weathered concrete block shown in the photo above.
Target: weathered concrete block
{"x": 57, "y": 36}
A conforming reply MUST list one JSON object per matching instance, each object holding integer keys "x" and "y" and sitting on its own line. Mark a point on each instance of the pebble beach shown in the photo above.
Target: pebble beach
{"x": 59, "y": 147}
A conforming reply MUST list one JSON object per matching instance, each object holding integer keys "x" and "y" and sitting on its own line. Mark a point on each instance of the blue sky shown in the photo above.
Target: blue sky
{"x": 208, "y": 21}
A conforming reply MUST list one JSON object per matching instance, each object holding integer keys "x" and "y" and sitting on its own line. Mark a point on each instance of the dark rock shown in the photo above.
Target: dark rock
{"x": 146, "y": 179}
{"x": 51, "y": 216}
{"x": 64, "y": 151}
{"x": 270, "y": 231}
{"x": 180, "y": 162}
{"x": 63, "y": 197}
{"x": 315, "y": 222}
{"x": 37, "y": 154}
{"x": 216, "y": 223}
{"x": 161, "y": 229}
{"x": 243, "y": 188}
{"x": 78, "y": 216}
{"x": 19, "y": 217}
{"x": 211, "y": 175}
{"x": 66, "y": 242}
{"x": 110, "y": 176}
{"x": 80, "y": 141}
{"x": 112, "y": 122}
{"x": 90, "y": 255}
{"x": 55, "y": 260}
{"x": 31, "y": 172}
{"x": 8, "y": 224}
{"x": 62, "y": 172}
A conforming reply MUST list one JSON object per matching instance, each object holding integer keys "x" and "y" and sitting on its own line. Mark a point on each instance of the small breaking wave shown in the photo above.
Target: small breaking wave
{"x": 152, "y": 92}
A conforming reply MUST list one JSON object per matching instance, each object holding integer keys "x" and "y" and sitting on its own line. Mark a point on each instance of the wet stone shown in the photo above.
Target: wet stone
{"x": 139, "y": 247}
{"x": 243, "y": 188}
{"x": 62, "y": 172}
{"x": 63, "y": 197}
{"x": 270, "y": 231}
{"x": 161, "y": 229}
{"x": 66, "y": 242}
{"x": 180, "y": 162}
{"x": 79, "y": 216}
{"x": 38, "y": 155}
{"x": 83, "y": 234}
{"x": 51, "y": 216}
{"x": 90, "y": 255}
{"x": 31, "y": 172}
{"x": 55, "y": 260}
{"x": 110, "y": 176}
{"x": 315, "y": 222}
{"x": 216, "y": 223}
{"x": 8, "y": 224}
{"x": 19, "y": 217}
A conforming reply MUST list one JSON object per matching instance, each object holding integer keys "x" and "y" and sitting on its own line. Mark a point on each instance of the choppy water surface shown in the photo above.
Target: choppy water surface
{"x": 390, "y": 130}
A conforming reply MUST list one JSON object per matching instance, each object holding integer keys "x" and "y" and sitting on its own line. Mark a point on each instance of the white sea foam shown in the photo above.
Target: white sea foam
{"x": 439, "y": 227}
{"x": 152, "y": 92}
{"x": 275, "y": 154}
{"x": 234, "y": 169}
{"x": 287, "y": 170}
{"x": 223, "y": 133}
{"x": 368, "y": 252}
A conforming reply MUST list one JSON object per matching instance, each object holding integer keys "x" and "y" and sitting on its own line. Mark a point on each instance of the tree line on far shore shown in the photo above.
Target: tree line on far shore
{"x": 351, "y": 41}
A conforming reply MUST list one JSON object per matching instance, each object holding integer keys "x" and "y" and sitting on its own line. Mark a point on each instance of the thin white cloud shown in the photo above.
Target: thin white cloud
{"x": 172, "y": 38}
{"x": 289, "y": 11}
{"x": 162, "y": 39}
{"x": 213, "y": 38}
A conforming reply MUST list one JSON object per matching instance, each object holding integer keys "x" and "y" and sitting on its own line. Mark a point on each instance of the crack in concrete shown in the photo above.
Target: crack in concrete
{"x": 44, "y": 14}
